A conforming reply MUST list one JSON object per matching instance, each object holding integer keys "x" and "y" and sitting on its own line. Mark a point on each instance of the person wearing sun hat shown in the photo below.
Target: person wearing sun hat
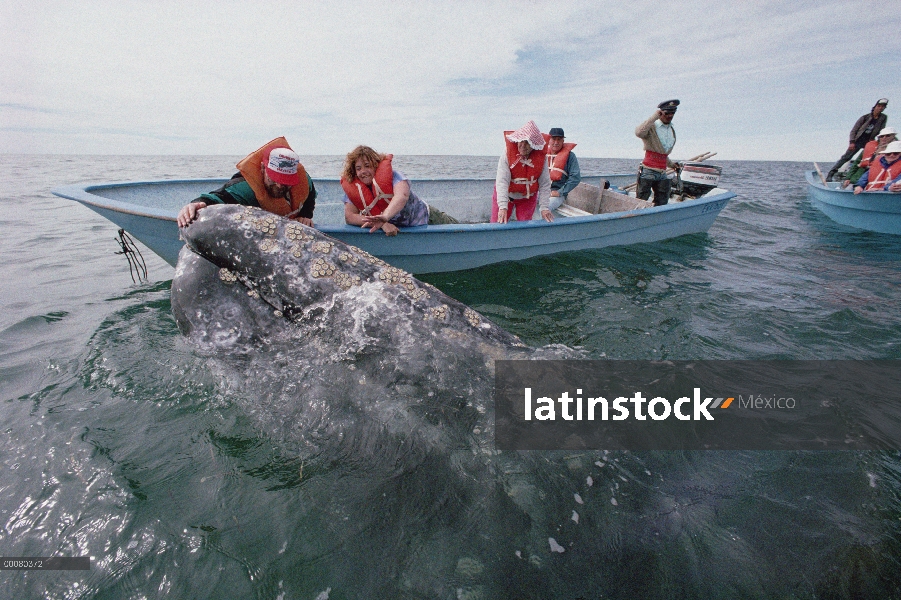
{"x": 884, "y": 174}
{"x": 870, "y": 151}
{"x": 523, "y": 180}
{"x": 272, "y": 178}
{"x": 865, "y": 129}
{"x": 659, "y": 138}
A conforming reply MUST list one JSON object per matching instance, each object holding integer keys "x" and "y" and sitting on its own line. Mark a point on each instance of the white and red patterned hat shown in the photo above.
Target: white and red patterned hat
{"x": 530, "y": 133}
{"x": 282, "y": 166}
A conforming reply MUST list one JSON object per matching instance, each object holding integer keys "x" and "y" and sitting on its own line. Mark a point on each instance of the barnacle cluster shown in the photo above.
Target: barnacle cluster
{"x": 227, "y": 276}
{"x": 267, "y": 224}
{"x": 247, "y": 214}
{"x": 418, "y": 293}
{"x": 322, "y": 268}
{"x": 322, "y": 247}
{"x": 269, "y": 245}
{"x": 295, "y": 233}
{"x": 439, "y": 312}
{"x": 372, "y": 260}
{"x": 345, "y": 281}
{"x": 348, "y": 258}
{"x": 297, "y": 250}
{"x": 473, "y": 317}
{"x": 396, "y": 276}
{"x": 400, "y": 277}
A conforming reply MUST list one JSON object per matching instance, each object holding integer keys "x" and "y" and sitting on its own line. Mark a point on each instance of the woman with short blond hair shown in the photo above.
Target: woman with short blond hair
{"x": 378, "y": 197}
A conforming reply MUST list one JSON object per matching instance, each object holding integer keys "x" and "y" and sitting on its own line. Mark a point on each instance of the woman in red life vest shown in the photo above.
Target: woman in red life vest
{"x": 378, "y": 197}
{"x": 522, "y": 177}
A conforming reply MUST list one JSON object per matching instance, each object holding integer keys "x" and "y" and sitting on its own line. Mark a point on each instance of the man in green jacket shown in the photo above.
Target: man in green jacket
{"x": 270, "y": 178}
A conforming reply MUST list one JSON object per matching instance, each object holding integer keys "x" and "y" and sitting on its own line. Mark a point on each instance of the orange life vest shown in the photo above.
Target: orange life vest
{"x": 374, "y": 199}
{"x": 655, "y": 160}
{"x": 879, "y": 176}
{"x": 524, "y": 173}
{"x": 251, "y": 167}
{"x": 556, "y": 163}
{"x": 868, "y": 151}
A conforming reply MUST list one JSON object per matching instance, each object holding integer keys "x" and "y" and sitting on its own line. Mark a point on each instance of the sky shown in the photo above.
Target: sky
{"x": 757, "y": 80}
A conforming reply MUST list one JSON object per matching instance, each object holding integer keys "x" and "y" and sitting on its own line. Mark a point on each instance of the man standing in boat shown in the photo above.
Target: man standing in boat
{"x": 659, "y": 137}
{"x": 865, "y": 130}
{"x": 270, "y": 178}
{"x": 563, "y": 167}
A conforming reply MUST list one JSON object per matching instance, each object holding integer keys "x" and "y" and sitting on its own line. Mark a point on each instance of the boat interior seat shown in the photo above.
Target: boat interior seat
{"x": 564, "y": 210}
{"x": 592, "y": 200}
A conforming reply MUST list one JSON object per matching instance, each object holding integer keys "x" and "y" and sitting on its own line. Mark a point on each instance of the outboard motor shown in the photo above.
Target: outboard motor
{"x": 699, "y": 178}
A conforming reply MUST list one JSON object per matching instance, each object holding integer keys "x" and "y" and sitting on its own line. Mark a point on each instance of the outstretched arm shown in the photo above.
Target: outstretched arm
{"x": 397, "y": 204}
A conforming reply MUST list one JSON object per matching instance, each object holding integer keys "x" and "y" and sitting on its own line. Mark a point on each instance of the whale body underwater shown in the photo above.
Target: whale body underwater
{"x": 384, "y": 386}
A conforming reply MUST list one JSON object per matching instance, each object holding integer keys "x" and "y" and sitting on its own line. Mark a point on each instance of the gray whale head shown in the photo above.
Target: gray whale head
{"x": 260, "y": 291}
{"x": 306, "y": 277}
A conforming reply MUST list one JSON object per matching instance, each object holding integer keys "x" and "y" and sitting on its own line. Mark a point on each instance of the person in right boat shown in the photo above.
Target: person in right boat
{"x": 884, "y": 174}
{"x": 870, "y": 151}
{"x": 659, "y": 137}
{"x": 864, "y": 130}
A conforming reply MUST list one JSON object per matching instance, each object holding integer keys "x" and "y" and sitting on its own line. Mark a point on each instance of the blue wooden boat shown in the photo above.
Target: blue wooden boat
{"x": 147, "y": 211}
{"x": 871, "y": 211}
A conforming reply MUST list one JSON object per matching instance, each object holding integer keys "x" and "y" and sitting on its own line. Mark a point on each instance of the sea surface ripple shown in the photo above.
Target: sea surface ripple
{"x": 121, "y": 443}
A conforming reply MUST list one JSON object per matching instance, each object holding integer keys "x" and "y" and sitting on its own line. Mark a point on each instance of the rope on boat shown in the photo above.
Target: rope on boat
{"x": 136, "y": 264}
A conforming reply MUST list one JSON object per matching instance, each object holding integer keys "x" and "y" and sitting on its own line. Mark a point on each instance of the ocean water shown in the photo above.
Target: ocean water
{"x": 120, "y": 442}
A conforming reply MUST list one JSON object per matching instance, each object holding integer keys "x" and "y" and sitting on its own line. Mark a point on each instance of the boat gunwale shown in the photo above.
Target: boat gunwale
{"x": 813, "y": 179}
{"x": 82, "y": 193}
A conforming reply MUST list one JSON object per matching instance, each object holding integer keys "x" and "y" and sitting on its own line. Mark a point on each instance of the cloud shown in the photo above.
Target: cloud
{"x": 436, "y": 77}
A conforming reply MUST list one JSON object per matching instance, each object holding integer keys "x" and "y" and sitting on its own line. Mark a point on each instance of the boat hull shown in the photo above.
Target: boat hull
{"x": 453, "y": 248}
{"x": 870, "y": 211}
{"x": 147, "y": 210}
